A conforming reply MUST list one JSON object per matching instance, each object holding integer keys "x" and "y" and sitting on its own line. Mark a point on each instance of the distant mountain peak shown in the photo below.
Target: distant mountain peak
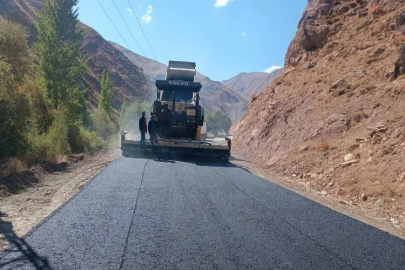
{"x": 214, "y": 95}
{"x": 247, "y": 84}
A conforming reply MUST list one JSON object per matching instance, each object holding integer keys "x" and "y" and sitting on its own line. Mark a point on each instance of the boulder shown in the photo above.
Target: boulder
{"x": 339, "y": 87}
{"x": 395, "y": 64}
{"x": 348, "y": 157}
{"x": 399, "y": 19}
{"x": 341, "y": 9}
{"x": 379, "y": 51}
{"x": 313, "y": 37}
{"x": 339, "y": 84}
{"x": 379, "y": 203}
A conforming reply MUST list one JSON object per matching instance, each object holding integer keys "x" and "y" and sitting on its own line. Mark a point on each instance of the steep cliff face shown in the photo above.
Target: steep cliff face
{"x": 128, "y": 79}
{"x": 342, "y": 91}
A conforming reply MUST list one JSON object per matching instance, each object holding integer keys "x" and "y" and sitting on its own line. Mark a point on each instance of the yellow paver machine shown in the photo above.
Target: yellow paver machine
{"x": 180, "y": 118}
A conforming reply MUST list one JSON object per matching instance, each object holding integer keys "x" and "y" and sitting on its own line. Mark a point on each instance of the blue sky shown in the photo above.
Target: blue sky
{"x": 224, "y": 37}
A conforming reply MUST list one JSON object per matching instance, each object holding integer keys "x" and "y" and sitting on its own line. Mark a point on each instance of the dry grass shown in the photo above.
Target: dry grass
{"x": 11, "y": 166}
{"x": 360, "y": 116}
{"x": 364, "y": 23}
{"x": 323, "y": 146}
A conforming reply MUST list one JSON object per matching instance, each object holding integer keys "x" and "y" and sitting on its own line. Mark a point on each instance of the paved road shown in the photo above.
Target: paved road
{"x": 140, "y": 214}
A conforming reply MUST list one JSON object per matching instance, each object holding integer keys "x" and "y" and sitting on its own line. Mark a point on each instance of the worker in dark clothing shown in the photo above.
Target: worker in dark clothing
{"x": 152, "y": 128}
{"x": 143, "y": 129}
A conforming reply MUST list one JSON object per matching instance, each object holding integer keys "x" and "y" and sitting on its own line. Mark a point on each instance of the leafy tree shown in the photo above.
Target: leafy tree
{"x": 15, "y": 64}
{"x": 107, "y": 93}
{"x": 60, "y": 60}
{"x": 217, "y": 121}
{"x": 15, "y": 54}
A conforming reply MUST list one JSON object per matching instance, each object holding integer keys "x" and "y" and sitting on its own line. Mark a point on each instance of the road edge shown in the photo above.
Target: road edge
{"x": 331, "y": 203}
{"x": 4, "y": 253}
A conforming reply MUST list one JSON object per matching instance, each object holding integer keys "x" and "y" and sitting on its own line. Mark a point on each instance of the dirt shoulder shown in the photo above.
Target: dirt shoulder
{"x": 31, "y": 196}
{"x": 370, "y": 214}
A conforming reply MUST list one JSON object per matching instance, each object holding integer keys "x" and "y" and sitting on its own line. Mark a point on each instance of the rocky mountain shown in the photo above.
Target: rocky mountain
{"x": 334, "y": 120}
{"x": 128, "y": 79}
{"x": 248, "y": 84}
{"x": 214, "y": 95}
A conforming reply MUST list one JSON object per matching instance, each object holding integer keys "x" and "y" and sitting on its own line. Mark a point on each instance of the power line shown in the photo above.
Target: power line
{"x": 114, "y": 25}
{"x": 128, "y": 28}
{"x": 140, "y": 26}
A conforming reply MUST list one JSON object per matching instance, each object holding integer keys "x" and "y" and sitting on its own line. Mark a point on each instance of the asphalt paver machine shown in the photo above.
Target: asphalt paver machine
{"x": 179, "y": 116}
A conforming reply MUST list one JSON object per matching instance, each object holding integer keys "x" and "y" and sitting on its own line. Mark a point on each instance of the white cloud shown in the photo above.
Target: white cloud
{"x": 243, "y": 34}
{"x": 272, "y": 68}
{"x": 130, "y": 11}
{"x": 147, "y": 18}
{"x": 222, "y": 3}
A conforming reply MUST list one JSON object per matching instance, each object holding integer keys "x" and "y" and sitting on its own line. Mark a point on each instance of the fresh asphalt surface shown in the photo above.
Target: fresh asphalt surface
{"x": 151, "y": 214}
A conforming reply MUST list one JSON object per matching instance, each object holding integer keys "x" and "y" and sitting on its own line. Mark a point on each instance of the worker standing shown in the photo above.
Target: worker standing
{"x": 152, "y": 128}
{"x": 142, "y": 129}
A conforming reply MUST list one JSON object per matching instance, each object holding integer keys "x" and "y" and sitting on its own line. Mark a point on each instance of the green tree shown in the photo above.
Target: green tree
{"x": 60, "y": 60}
{"x": 15, "y": 55}
{"x": 217, "y": 121}
{"x": 15, "y": 65}
{"x": 107, "y": 93}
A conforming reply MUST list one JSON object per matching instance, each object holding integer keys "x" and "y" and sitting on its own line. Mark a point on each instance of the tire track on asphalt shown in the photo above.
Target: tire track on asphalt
{"x": 205, "y": 206}
{"x": 133, "y": 216}
{"x": 285, "y": 221}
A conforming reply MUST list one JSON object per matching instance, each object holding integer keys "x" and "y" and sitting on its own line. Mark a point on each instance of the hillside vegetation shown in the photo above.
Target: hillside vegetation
{"x": 129, "y": 82}
{"x": 44, "y": 114}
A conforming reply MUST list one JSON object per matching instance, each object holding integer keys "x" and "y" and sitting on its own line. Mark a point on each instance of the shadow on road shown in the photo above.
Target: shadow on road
{"x": 26, "y": 255}
{"x": 189, "y": 158}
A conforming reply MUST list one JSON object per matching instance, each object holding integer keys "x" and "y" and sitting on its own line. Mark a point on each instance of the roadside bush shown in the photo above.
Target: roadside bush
{"x": 83, "y": 140}
{"x": 102, "y": 123}
{"x": 89, "y": 140}
{"x": 11, "y": 166}
{"x": 50, "y": 145}
{"x": 57, "y": 137}
{"x": 14, "y": 119}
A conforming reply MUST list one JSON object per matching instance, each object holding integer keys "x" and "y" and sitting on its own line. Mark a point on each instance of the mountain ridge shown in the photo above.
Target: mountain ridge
{"x": 252, "y": 83}
{"x": 214, "y": 95}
